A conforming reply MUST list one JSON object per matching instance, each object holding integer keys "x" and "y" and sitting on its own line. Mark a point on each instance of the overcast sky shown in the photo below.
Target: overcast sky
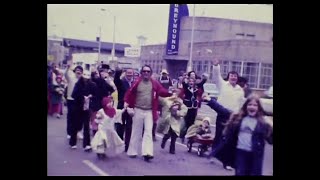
{"x": 150, "y": 20}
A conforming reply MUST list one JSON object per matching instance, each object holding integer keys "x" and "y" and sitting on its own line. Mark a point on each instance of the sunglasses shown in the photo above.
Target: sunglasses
{"x": 146, "y": 71}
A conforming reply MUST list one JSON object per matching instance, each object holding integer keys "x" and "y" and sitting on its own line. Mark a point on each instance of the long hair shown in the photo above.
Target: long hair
{"x": 235, "y": 119}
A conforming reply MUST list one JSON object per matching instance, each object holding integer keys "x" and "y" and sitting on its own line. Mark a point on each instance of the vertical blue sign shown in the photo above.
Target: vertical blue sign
{"x": 176, "y": 12}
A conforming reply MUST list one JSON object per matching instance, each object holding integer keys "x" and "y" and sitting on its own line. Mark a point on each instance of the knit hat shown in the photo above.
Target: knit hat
{"x": 164, "y": 71}
{"x": 206, "y": 119}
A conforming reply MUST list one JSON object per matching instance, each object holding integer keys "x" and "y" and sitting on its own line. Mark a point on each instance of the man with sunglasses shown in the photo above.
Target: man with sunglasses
{"x": 143, "y": 97}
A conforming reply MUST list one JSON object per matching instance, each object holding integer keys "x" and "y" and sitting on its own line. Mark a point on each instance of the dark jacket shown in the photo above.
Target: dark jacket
{"x": 226, "y": 151}
{"x": 84, "y": 88}
{"x": 122, "y": 86}
{"x": 197, "y": 94}
{"x": 103, "y": 90}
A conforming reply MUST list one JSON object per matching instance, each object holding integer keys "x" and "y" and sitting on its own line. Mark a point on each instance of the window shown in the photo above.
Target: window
{"x": 199, "y": 67}
{"x": 206, "y": 67}
{"x": 87, "y": 67}
{"x": 78, "y": 63}
{"x": 239, "y": 35}
{"x": 224, "y": 68}
{"x": 266, "y": 76}
{"x": 250, "y": 71}
{"x": 250, "y": 36}
{"x": 195, "y": 65}
{"x": 236, "y": 66}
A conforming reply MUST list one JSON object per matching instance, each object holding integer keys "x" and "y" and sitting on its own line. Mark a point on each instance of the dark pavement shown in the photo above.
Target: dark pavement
{"x": 63, "y": 161}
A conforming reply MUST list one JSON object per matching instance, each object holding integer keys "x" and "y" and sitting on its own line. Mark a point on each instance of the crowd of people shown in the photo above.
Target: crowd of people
{"x": 118, "y": 111}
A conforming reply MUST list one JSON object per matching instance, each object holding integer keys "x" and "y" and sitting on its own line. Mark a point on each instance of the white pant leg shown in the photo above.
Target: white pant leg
{"x": 147, "y": 142}
{"x": 136, "y": 134}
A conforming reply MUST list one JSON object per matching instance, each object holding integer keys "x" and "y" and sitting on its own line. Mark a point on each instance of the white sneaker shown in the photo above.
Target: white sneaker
{"x": 80, "y": 136}
{"x": 68, "y": 136}
{"x": 74, "y": 147}
{"x": 229, "y": 168}
{"x": 87, "y": 148}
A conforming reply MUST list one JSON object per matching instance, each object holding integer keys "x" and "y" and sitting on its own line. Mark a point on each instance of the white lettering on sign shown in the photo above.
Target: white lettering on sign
{"x": 176, "y": 10}
{"x": 131, "y": 52}
{"x": 175, "y": 15}
{"x": 173, "y": 43}
{"x": 175, "y": 25}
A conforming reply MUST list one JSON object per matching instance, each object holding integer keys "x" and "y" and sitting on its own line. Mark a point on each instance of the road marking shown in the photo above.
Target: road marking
{"x": 95, "y": 168}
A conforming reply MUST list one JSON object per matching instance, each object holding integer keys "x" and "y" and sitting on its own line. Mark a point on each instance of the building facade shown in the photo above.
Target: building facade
{"x": 242, "y": 46}
{"x": 55, "y": 50}
{"x": 76, "y": 46}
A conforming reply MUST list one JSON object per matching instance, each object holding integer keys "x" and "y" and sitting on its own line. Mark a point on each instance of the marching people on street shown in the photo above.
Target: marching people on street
{"x": 173, "y": 111}
{"x": 143, "y": 97}
{"x": 72, "y": 76}
{"x": 244, "y": 139}
{"x": 166, "y": 82}
{"x": 191, "y": 100}
{"x": 123, "y": 85}
{"x": 106, "y": 141}
{"x": 56, "y": 98}
{"x": 83, "y": 91}
{"x": 231, "y": 97}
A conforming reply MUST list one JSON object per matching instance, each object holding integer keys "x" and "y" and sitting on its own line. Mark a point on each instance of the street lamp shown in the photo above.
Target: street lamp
{"x": 99, "y": 41}
{"x": 114, "y": 35}
{"x": 189, "y": 68}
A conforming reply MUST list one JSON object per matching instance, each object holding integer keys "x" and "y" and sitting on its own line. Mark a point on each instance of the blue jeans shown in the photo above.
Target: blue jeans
{"x": 246, "y": 164}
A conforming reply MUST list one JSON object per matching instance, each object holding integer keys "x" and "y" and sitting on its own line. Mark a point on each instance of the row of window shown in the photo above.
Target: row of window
{"x": 259, "y": 75}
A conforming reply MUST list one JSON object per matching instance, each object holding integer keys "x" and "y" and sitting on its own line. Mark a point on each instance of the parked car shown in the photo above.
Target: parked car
{"x": 269, "y": 92}
{"x": 211, "y": 89}
{"x": 267, "y": 101}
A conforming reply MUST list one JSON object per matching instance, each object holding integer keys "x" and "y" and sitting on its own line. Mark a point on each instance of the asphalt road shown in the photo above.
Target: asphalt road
{"x": 63, "y": 161}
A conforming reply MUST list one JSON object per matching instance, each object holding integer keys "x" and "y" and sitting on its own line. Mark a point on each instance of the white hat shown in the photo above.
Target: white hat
{"x": 164, "y": 71}
{"x": 206, "y": 119}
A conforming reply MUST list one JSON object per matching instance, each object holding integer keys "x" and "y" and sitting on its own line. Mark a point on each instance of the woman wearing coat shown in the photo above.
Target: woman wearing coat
{"x": 244, "y": 137}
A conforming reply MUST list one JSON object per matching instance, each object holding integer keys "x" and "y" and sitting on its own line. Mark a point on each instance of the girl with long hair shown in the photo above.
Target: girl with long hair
{"x": 244, "y": 138}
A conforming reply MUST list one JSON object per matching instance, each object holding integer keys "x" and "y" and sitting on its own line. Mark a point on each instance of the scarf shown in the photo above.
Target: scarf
{"x": 108, "y": 111}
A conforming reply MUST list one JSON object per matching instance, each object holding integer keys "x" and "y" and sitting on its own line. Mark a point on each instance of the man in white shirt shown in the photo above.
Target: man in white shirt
{"x": 231, "y": 97}
{"x": 72, "y": 75}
